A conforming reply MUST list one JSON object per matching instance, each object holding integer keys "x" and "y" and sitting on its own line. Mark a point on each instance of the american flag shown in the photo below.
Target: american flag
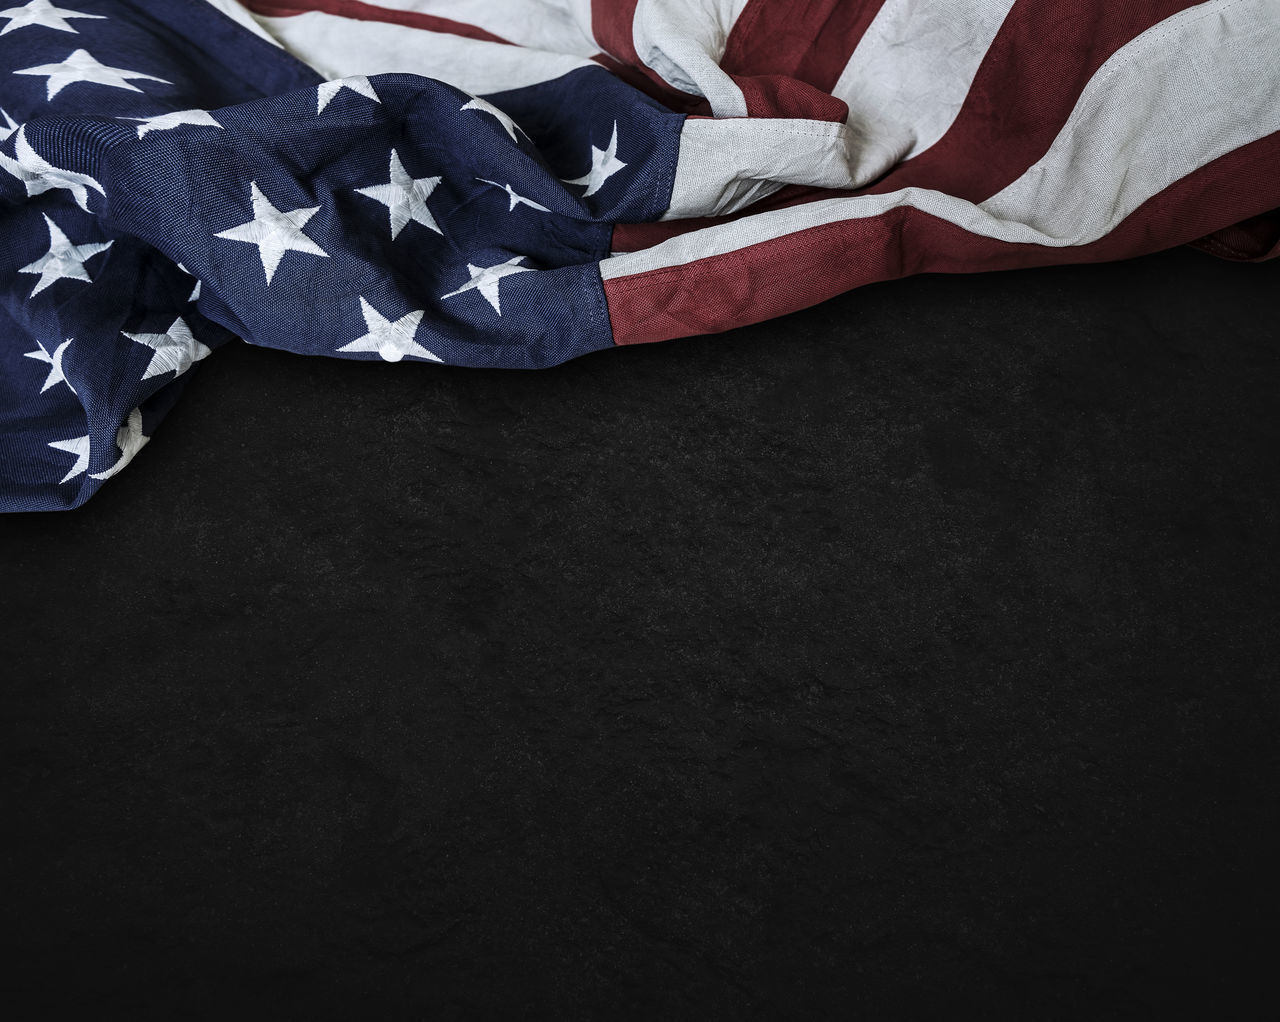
{"x": 513, "y": 183}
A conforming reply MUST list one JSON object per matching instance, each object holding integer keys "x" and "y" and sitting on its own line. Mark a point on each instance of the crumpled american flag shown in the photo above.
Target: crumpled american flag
{"x": 514, "y": 183}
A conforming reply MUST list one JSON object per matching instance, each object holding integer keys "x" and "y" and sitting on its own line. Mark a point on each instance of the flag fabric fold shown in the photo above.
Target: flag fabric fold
{"x": 514, "y": 183}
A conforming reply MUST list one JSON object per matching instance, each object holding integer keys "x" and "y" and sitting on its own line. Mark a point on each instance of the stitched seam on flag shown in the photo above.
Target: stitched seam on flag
{"x": 661, "y": 197}
{"x": 600, "y": 305}
{"x": 765, "y": 129}
{"x": 708, "y": 140}
{"x": 1218, "y": 247}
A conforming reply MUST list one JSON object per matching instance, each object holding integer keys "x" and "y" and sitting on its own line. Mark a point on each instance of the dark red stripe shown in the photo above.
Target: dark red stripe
{"x": 358, "y": 11}
{"x": 802, "y": 269}
{"x": 611, "y": 27}
{"x": 786, "y": 56}
{"x": 1254, "y": 240}
{"x": 810, "y": 41}
{"x": 1041, "y": 60}
{"x": 1021, "y": 97}
{"x": 644, "y": 80}
{"x": 611, "y": 22}
{"x": 633, "y": 237}
{"x": 780, "y": 96}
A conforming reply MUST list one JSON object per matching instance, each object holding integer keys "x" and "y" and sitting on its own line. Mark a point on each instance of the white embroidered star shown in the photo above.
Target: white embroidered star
{"x": 63, "y": 261}
{"x": 130, "y": 440}
{"x": 274, "y": 232}
{"x": 405, "y": 197}
{"x": 39, "y": 175}
{"x": 604, "y": 164}
{"x": 41, "y": 12}
{"x": 9, "y": 128}
{"x": 166, "y": 122}
{"x": 391, "y": 340}
{"x": 173, "y": 352}
{"x": 358, "y": 84}
{"x": 485, "y": 280}
{"x": 488, "y": 108}
{"x": 54, "y": 360}
{"x": 79, "y": 446}
{"x": 81, "y": 66}
{"x": 516, "y": 199}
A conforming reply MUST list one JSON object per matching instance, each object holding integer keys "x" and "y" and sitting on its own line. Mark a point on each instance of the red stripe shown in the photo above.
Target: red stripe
{"x": 810, "y": 40}
{"x": 1019, "y": 102}
{"x": 611, "y": 27}
{"x": 357, "y": 11}
{"x": 787, "y": 56}
{"x": 1041, "y": 60}
{"x": 780, "y": 96}
{"x": 644, "y": 80}
{"x": 611, "y": 22}
{"x": 1254, "y": 240}
{"x": 802, "y": 269}
{"x": 636, "y": 237}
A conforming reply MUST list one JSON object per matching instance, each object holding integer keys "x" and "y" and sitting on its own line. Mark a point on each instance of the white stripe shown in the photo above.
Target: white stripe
{"x": 910, "y": 73}
{"x": 540, "y": 24}
{"x": 683, "y": 41}
{"x": 725, "y": 165}
{"x": 1187, "y": 91}
{"x": 342, "y": 48}
{"x": 580, "y": 12}
{"x": 237, "y": 13}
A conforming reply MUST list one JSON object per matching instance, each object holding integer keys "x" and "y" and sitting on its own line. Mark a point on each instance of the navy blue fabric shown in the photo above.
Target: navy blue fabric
{"x": 161, "y": 199}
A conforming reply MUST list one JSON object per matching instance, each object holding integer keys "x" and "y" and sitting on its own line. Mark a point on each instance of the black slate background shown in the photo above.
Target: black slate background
{"x": 914, "y": 656}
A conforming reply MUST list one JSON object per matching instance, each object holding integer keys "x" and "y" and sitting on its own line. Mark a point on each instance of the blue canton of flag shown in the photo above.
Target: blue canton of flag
{"x": 171, "y": 182}
{"x": 513, "y": 183}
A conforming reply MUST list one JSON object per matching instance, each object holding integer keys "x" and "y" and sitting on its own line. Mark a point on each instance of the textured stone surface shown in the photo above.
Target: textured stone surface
{"x": 913, "y": 655}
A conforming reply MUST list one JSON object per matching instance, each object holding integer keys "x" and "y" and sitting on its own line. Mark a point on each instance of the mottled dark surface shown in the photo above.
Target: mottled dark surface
{"x": 912, "y": 657}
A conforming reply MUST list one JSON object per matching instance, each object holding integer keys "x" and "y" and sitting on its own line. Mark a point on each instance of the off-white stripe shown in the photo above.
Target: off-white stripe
{"x": 341, "y": 47}
{"x": 237, "y": 13}
{"x": 580, "y": 12}
{"x": 725, "y": 165}
{"x": 911, "y": 71}
{"x": 540, "y": 24}
{"x": 1187, "y": 91}
{"x": 683, "y": 41}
